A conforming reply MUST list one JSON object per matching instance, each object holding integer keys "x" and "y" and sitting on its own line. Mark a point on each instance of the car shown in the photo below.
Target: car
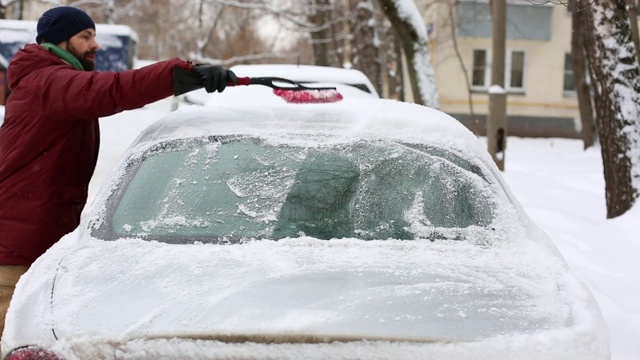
{"x": 309, "y": 74}
{"x": 359, "y": 229}
{"x": 349, "y": 82}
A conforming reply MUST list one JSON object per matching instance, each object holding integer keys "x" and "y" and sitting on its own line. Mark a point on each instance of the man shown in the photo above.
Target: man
{"x": 50, "y": 137}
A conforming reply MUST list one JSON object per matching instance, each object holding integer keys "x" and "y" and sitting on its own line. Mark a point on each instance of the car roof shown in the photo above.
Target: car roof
{"x": 309, "y": 73}
{"x": 312, "y": 124}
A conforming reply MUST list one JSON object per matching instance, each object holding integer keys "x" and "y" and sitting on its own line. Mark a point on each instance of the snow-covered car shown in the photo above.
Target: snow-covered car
{"x": 362, "y": 229}
{"x": 310, "y": 74}
{"x": 349, "y": 82}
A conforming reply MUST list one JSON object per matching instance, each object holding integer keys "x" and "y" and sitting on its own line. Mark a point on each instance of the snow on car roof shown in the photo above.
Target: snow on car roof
{"x": 342, "y": 121}
{"x": 302, "y": 72}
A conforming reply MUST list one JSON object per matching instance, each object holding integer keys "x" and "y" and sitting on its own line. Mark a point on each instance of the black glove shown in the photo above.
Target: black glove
{"x": 215, "y": 77}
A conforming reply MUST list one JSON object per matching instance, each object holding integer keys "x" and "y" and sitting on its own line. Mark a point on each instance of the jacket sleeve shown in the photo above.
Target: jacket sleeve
{"x": 76, "y": 95}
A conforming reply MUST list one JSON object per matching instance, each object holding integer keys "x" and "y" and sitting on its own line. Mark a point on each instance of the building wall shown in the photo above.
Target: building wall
{"x": 543, "y": 78}
{"x": 543, "y": 98}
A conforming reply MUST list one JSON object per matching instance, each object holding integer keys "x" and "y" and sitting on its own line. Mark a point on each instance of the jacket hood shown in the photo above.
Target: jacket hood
{"x": 28, "y": 59}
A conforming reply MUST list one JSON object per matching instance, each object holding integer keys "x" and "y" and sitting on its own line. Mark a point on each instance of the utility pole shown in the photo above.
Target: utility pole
{"x": 497, "y": 117}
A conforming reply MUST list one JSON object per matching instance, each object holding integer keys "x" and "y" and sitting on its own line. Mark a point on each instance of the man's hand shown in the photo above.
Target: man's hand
{"x": 215, "y": 77}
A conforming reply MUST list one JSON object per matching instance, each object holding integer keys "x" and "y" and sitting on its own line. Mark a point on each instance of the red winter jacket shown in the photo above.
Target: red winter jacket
{"x": 49, "y": 143}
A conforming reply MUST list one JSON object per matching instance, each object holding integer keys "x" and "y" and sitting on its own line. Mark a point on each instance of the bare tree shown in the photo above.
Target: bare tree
{"x": 18, "y": 13}
{"x": 633, "y": 20}
{"x": 17, "y": 6}
{"x": 366, "y": 53}
{"x": 396, "y": 68}
{"x": 411, "y": 31}
{"x": 351, "y": 33}
{"x": 616, "y": 84}
{"x": 578, "y": 62}
{"x": 475, "y": 127}
{"x": 153, "y": 21}
{"x": 320, "y": 17}
{"x": 346, "y": 33}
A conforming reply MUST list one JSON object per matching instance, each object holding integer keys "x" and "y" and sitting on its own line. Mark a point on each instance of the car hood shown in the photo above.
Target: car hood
{"x": 306, "y": 288}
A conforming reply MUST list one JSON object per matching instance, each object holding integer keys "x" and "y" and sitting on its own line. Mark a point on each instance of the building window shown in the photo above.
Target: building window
{"x": 480, "y": 68}
{"x": 526, "y": 20}
{"x": 569, "y": 80}
{"x": 515, "y": 70}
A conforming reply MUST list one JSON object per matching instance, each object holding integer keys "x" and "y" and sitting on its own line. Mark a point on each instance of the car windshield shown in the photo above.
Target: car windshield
{"x": 220, "y": 190}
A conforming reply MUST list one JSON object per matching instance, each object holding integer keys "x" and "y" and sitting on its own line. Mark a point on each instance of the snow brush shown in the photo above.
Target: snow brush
{"x": 291, "y": 91}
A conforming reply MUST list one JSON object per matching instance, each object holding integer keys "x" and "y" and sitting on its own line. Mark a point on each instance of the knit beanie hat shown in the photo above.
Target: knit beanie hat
{"x": 61, "y": 23}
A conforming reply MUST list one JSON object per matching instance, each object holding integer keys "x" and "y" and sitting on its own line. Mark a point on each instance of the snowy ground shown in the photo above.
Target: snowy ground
{"x": 562, "y": 189}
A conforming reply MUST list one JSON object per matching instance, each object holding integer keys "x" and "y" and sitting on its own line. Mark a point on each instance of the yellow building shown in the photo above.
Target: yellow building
{"x": 539, "y": 81}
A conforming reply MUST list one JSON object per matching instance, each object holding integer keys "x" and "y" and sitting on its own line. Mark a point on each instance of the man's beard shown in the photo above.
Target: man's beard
{"x": 87, "y": 64}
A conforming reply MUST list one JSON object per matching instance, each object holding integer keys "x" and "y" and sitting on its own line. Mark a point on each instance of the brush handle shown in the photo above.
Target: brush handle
{"x": 266, "y": 81}
{"x": 271, "y": 82}
{"x": 241, "y": 81}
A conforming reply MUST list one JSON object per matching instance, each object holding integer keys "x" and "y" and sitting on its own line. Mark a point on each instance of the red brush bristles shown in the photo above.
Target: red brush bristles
{"x": 309, "y": 96}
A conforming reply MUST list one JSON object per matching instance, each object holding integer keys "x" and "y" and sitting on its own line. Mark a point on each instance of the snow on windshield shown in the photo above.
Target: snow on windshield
{"x": 235, "y": 189}
{"x": 258, "y": 192}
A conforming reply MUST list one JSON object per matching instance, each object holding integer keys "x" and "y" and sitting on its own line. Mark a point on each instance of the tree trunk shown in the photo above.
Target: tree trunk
{"x": 633, "y": 20}
{"x": 321, "y": 37}
{"x": 364, "y": 39}
{"x": 579, "y": 73}
{"x": 109, "y": 12}
{"x": 616, "y": 84}
{"x": 416, "y": 51}
{"x": 339, "y": 43}
{"x": 394, "y": 69}
{"x": 475, "y": 125}
{"x": 17, "y": 12}
{"x": 400, "y": 84}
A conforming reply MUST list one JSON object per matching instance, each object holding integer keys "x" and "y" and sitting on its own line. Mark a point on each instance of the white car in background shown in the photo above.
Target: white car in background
{"x": 310, "y": 74}
{"x": 362, "y": 229}
{"x": 349, "y": 82}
